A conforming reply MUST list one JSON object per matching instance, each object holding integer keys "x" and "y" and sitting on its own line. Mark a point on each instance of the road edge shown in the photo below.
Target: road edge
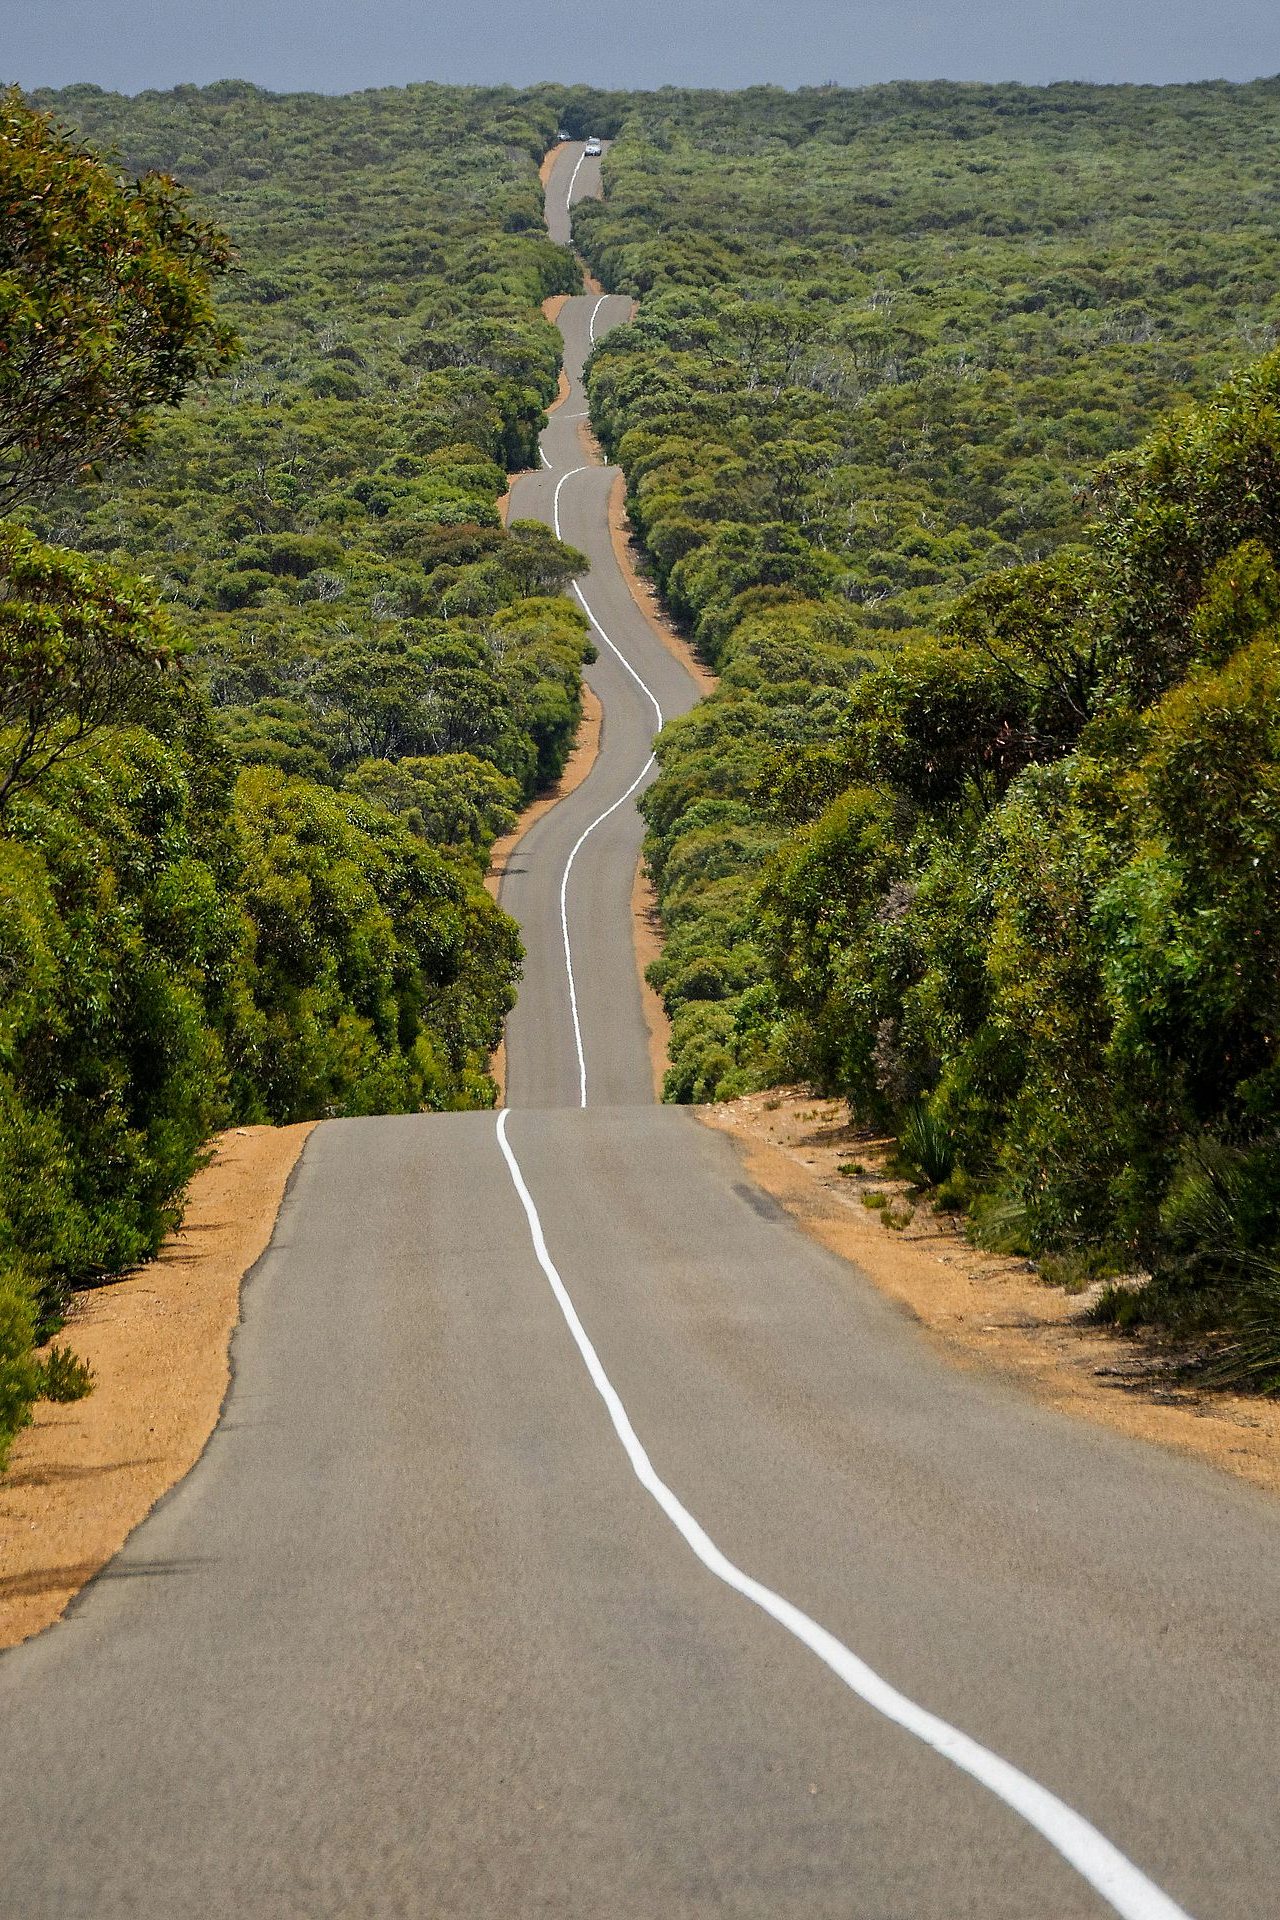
{"x": 990, "y": 1312}
{"x": 82, "y": 1477}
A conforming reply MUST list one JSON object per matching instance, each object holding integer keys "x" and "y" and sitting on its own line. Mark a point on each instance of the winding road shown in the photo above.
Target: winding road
{"x": 580, "y": 1540}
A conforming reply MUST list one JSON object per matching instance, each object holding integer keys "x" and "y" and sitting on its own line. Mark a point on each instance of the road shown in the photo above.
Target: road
{"x": 550, "y": 1040}
{"x": 433, "y": 1629}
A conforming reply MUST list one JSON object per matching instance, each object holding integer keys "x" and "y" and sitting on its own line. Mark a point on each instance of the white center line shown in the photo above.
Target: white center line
{"x": 555, "y": 499}
{"x": 564, "y": 924}
{"x": 573, "y": 179}
{"x": 1126, "y": 1890}
{"x": 600, "y": 818}
{"x": 555, "y": 516}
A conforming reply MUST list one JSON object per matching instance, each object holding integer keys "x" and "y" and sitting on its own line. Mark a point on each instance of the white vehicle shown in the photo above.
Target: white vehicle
{"x": 593, "y": 148}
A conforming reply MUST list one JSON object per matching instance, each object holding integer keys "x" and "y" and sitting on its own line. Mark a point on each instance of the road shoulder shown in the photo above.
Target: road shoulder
{"x": 983, "y": 1309}
{"x": 82, "y": 1476}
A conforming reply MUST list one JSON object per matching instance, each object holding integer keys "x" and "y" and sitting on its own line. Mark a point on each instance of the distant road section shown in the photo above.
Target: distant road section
{"x": 580, "y": 1016}
{"x": 574, "y": 177}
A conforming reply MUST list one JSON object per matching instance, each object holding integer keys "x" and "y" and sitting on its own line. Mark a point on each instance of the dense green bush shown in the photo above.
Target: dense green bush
{"x": 105, "y": 304}
{"x": 376, "y": 974}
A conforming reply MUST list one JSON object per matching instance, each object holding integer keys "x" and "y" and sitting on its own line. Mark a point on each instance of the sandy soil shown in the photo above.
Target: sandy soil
{"x": 648, "y": 944}
{"x": 579, "y": 764}
{"x": 82, "y": 1477}
{"x": 984, "y": 1309}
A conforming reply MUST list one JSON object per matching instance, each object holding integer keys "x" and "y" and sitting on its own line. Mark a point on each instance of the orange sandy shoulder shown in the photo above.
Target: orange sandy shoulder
{"x": 984, "y": 1309}
{"x": 82, "y": 1476}
{"x": 647, "y": 934}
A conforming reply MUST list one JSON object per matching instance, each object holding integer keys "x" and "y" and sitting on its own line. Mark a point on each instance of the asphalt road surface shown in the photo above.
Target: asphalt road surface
{"x": 556, "y": 1048}
{"x": 579, "y": 1540}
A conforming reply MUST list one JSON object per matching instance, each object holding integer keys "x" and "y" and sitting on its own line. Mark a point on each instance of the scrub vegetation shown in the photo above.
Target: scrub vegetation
{"x": 273, "y": 675}
{"x": 951, "y": 427}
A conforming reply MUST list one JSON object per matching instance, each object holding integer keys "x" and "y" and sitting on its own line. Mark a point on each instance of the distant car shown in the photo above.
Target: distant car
{"x": 593, "y": 149}
{"x": 562, "y": 134}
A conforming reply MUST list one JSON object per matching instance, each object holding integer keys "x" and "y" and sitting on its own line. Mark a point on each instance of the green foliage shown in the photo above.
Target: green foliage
{"x": 120, "y": 941}
{"x": 63, "y": 1376}
{"x": 376, "y": 975}
{"x": 452, "y": 799}
{"x": 926, "y": 1144}
{"x": 19, "y": 1368}
{"x": 902, "y": 326}
{"x": 105, "y": 307}
{"x": 80, "y": 649}
{"x": 394, "y": 364}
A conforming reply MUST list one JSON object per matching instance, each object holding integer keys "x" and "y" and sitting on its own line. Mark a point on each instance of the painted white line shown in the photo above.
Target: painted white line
{"x": 542, "y": 456}
{"x": 564, "y": 922}
{"x": 643, "y": 685}
{"x": 652, "y": 697}
{"x": 1125, "y": 1889}
{"x": 591, "y": 329}
{"x": 555, "y": 501}
{"x": 573, "y": 180}
{"x": 647, "y": 690}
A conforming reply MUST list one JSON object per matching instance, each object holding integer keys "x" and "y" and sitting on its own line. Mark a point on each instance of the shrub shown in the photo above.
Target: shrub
{"x": 926, "y": 1144}
{"x": 20, "y": 1373}
{"x": 63, "y": 1376}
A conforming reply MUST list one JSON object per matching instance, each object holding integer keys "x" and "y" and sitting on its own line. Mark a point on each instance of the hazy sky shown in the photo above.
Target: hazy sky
{"x": 130, "y": 44}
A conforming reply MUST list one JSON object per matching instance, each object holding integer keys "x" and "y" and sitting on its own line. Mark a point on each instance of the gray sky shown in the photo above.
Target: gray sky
{"x": 337, "y": 45}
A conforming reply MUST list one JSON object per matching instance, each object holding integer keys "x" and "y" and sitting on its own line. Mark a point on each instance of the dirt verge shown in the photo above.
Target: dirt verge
{"x": 82, "y": 1477}
{"x": 984, "y": 1309}
{"x": 648, "y": 944}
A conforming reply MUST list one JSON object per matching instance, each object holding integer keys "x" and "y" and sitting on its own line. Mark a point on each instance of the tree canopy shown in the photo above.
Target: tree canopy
{"x": 106, "y": 307}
